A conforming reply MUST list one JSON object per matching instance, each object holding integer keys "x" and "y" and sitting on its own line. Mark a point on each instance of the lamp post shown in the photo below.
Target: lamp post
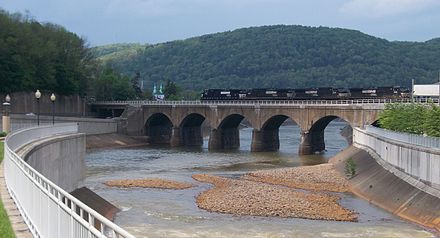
{"x": 38, "y": 96}
{"x": 52, "y": 98}
{"x": 6, "y": 121}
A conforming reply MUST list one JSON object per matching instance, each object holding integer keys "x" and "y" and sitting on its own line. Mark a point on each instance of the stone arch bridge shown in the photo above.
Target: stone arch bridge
{"x": 180, "y": 123}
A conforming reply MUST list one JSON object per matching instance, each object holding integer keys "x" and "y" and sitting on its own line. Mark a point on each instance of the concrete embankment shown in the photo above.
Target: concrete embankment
{"x": 384, "y": 189}
{"x": 114, "y": 141}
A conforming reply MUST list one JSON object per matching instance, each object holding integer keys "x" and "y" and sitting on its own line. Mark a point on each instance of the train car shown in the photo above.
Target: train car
{"x": 326, "y": 93}
{"x": 314, "y": 94}
{"x": 223, "y": 94}
{"x": 363, "y": 93}
{"x": 270, "y": 94}
{"x": 342, "y": 93}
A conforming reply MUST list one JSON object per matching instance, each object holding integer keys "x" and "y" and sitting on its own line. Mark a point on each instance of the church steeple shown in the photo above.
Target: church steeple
{"x": 154, "y": 90}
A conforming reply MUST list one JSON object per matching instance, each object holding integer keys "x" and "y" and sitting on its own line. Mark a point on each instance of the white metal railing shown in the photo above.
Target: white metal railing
{"x": 48, "y": 210}
{"x": 421, "y": 162}
{"x": 426, "y": 141}
{"x": 266, "y": 102}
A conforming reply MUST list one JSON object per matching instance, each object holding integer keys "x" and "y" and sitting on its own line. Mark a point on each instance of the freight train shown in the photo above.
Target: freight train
{"x": 327, "y": 93}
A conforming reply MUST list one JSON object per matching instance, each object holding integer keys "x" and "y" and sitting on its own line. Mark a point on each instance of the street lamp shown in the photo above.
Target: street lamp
{"x": 38, "y": 96}
{"x": 52, "y": 98}
{"x": 6, "y": 122}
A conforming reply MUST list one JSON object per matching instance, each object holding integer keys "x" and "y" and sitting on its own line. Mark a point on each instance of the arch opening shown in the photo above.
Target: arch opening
{"x": 158, "y": 129}
{"x": 227, "y": 135}
{"x": 268, "y": 137}
{"x": 331, "y": 130}
{"x": 191, "y": 130}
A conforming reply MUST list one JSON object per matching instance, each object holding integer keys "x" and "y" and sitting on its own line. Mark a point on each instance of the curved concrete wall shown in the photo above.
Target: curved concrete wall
{"x": 418, "y": 165}
{"x": 59, "y": 158}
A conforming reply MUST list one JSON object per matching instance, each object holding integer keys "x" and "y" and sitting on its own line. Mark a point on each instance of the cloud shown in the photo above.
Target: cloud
{"x": 386, "y": 8}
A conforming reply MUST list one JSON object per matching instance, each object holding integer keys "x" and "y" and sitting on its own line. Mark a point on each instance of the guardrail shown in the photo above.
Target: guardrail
{"x": 421, "y": 162}
{"x": 426, "y": 141}
{"x": 267, "y": 102}
{"x": 48, "y": 210}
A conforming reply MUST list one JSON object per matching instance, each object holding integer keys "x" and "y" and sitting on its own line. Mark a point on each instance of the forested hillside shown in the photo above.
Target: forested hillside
{"x": 44, "y": 56}
{"x": 280, "y": 56}
{"x": 48, "y": 57}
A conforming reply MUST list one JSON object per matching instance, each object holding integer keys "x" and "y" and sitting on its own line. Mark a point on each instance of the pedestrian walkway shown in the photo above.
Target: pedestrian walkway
{"x": 20, "y": 228}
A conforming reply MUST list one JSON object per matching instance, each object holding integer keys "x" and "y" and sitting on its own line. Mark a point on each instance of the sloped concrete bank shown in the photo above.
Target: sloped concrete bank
{"x": 384, "y": 189}
{"x": 113, "y": 140}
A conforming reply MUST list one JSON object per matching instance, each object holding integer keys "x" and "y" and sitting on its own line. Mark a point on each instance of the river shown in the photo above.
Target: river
{"x": 173, "y": 213}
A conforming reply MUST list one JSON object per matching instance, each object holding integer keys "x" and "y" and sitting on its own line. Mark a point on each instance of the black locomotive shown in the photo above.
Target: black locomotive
{"x": 306, "y": 94}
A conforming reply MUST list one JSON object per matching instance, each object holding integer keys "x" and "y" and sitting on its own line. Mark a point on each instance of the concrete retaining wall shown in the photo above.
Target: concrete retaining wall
{"x": 59, "y": 158}
{"x": 418, "y": 165}
{"x": 90, "y": 126}
{"x": 387, "y": 190}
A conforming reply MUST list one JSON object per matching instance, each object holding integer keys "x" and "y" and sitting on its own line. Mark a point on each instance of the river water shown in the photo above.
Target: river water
{"x": 173, "y": 213}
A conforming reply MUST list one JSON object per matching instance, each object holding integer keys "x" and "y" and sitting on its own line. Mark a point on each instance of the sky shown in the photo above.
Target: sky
{"x": 152, "y": 21}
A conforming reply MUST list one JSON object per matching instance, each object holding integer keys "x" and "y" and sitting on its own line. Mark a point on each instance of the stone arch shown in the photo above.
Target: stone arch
{"x": 227, "y": 134}
{"x": 231, "y": 121}
{"x": 158, "y": 128}
{"x": 191, "y": 129}
{"x": 313, "y": 140}
{"x": 275, "y": 122}
{"x": 267, "y": 138}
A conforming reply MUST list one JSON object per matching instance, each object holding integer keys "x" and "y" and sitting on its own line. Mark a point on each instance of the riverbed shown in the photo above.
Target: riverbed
{"x": 174, "y": 213}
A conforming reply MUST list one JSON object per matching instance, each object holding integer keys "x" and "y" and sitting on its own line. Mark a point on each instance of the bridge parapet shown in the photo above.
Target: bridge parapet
{"x": 139, "y": 103}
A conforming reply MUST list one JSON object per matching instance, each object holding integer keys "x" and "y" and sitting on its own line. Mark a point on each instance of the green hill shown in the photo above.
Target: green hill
{"x": 279, "y": 56}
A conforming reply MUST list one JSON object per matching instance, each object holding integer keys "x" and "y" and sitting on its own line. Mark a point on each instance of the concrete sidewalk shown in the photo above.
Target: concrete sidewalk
{"x": 20, "y": 228}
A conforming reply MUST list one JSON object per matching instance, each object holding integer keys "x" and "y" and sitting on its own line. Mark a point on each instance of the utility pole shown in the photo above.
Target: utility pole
{"x": 412, "y": 90}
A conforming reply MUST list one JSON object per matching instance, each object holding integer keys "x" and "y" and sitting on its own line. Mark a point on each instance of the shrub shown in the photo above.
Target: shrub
{"x": 350, "y": 168}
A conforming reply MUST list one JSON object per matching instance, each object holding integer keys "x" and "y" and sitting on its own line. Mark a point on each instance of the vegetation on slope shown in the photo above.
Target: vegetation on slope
{"x": 281, "y": 56}
{"x": 50, "y": 58}
{"x": 411, "y": 118}
{"x": 44, "y": 56}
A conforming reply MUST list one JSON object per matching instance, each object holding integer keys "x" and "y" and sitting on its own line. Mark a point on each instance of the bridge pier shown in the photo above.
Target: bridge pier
{"x": 192, "y": 136}
{"x": 176, "y": 138}
{"x": 159, "y": 135}
{"x": 265, "y": 140}
{"x": 311, "y": 142}
{"x": 224, "y": 138}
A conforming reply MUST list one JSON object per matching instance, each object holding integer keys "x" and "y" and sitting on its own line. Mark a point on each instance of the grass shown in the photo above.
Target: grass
{"x": 5, "y": 225}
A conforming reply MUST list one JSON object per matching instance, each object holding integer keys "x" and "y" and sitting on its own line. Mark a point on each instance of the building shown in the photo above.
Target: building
{"x": 158, "y": 95}
{"x": 426, "y": 91}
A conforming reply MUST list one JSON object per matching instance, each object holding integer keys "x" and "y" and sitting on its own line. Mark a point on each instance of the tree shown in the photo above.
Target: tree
{"x": 44, "y": 56}
{"x": 432, "y": 121}
{"x": 411, "y": 118}
{"x": 135, "y": 83}
{"x": 112, "y": 86}
{"x": 172, "y": 91}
